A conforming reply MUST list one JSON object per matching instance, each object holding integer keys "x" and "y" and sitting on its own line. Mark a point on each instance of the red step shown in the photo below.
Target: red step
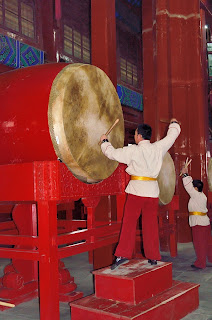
{"x": 172, "y": 304}
{"x": 133, "y": 282}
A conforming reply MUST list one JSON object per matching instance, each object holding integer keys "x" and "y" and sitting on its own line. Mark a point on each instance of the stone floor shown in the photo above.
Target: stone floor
{"x": 80, "y": 269}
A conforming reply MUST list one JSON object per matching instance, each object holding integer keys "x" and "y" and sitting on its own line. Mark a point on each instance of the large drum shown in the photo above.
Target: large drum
{"x": 60, "y": 111}
{"x": 167, "y": 180}
{"x": 210, "y": 174}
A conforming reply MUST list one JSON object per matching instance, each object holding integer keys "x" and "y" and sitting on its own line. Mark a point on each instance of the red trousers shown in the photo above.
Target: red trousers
{"x": 201, "y": 237}
{"x": 132, "y": 211}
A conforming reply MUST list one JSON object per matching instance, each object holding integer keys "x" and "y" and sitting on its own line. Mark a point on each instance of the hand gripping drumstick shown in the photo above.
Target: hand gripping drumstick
{"x": 110, "y": 129}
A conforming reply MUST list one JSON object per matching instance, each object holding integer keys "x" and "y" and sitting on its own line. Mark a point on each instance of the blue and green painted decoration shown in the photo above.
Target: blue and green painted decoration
{"x": 15, "y": 54}
{"x": 130, "y": 98}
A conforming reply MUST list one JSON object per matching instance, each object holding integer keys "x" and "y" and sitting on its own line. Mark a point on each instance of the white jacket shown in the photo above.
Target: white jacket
{"x": 144, "y": 159}
{"x": 197, "y": 202}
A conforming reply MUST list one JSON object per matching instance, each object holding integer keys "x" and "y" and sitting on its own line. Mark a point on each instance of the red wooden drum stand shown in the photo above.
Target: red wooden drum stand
{"x": 45, "y": 184}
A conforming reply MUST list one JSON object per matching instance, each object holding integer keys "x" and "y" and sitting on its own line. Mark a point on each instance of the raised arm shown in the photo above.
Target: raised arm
{"x": 187, "y": 181}
{"x": 122, "y": 155}
{"x": 172, "y": 134}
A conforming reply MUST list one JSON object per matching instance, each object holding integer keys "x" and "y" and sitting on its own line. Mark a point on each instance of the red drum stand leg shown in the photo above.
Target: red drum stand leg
{"x": 48, "y": 264}
{"x": 19, "y": 283}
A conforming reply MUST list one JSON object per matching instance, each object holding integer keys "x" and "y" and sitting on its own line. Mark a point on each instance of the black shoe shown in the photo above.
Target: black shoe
{"x": 152, "y": 262}
{"x": 194, "y": 267}
{"x": 118, "y": 262}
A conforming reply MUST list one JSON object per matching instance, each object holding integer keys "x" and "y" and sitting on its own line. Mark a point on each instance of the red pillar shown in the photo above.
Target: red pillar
{"x": 50, "y": 31}
{"x": 172, "y": 41}
{"x": 103, "y": 37}
{"x": 149, "y": 64}
{"x": 103, "y": 55}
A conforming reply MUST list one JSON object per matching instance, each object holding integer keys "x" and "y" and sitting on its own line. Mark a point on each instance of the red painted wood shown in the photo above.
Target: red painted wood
{"x": 87, "y": 246}
{"x": 128, "y": 282}
{"x": 25, "y": 218}
{"x": 22, "y": 296}
{"x": 54, "y": 181}
{"x": 7, "y": 227}
{"x": 19, "y": 293}
{"x": 103, "y": 37}
{"x": 174, "y": 303}
{"x": 50, "y": 33}
{"x": 13, "y": 240}
{"x": 149, "y": 64}
{"x": 19, "y": 253}
{"x": 71, "y": 296}
{"x": 170, "y": 230}
{"x": 48, "y": 265}
{"x": 70, "y": 185}
{"x": 97, "y": 232}
{"x": 65, "y": 226}
{"x": 20, "y": 279}
{"x": 74, "y": 188}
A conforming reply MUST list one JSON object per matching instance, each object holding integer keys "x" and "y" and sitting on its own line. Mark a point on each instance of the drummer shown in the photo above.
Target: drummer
{"x": 144, "y": 161}
{"x": 198, "y": 219}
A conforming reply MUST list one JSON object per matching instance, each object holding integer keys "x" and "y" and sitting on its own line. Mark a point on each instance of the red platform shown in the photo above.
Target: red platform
{"x": 127, "y": 281}
{"x": 148, "y": 292}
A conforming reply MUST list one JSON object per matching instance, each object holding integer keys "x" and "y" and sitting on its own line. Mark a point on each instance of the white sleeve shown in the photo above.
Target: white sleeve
{"x": 122, "y": 155}
{"x": 188, "y": 185}
{"x": 172, "y": 134}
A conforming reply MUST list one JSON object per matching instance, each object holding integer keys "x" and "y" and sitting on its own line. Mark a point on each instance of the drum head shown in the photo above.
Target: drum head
{"x": 83, "y": 105}
{"x": 166, "y": 180}
{"x": 210, "y": 174}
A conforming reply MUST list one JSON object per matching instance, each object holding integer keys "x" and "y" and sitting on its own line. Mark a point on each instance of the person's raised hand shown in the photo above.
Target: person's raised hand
{"x": 103, "y": 137}
{"x": 184, "y": 170}
{"x": 174, "y": 120}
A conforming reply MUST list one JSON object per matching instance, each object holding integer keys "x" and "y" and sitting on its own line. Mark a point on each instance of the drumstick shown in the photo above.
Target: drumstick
{"x": 189, "y": 162}
{"x": 186, "y": 164}
{"x": 110, "y": 129}
{"x": 6, "y": 304}
{"x": 164, "y": 120}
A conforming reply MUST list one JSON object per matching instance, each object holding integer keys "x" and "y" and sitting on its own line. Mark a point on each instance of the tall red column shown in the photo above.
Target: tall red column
{"x": 103, "y": 37}
{"x": 174, "y": 86}
{"x": 149, "y": 64}
{"x": 103, "y": 55}
{"x": 50, "y": 31}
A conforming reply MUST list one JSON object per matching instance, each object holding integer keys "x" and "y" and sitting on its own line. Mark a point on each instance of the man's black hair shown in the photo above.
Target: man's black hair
{"x": 145, "y": 130}
{"x": 198, "y": 184}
